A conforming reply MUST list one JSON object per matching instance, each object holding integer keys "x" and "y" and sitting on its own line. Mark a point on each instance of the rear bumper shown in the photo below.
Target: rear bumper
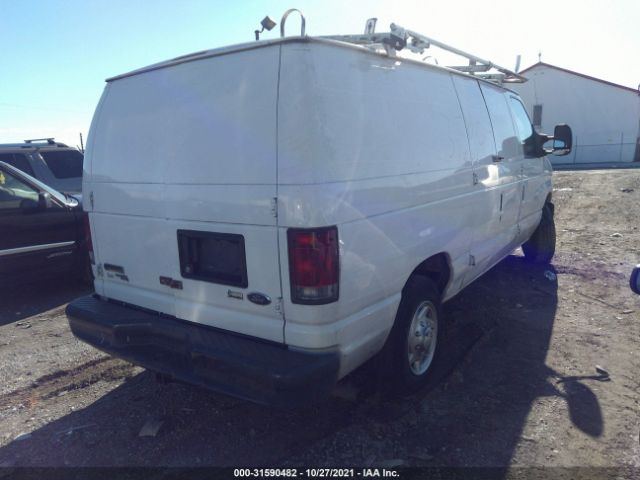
{"x": 245, "y": 367}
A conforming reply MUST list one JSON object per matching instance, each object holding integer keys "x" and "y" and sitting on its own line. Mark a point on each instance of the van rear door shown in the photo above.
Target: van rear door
{"x": 181, "y": 170}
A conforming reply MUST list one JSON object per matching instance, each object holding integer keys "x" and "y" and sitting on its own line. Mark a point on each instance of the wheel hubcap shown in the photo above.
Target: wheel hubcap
{"x": 421, "y": 341}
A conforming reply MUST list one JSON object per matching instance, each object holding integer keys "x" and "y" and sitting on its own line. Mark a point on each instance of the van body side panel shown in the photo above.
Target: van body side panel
{"x": 377, "y": 147}
{"x": 509, "y": 165}
{"x": 190, "y": 148}
{"x": 490, "y": 234}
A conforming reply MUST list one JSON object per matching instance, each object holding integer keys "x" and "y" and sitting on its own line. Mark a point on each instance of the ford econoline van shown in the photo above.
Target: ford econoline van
{"x": 269, "y": 216}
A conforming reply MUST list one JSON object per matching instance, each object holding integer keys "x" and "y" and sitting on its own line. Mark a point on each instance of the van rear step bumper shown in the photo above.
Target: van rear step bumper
{"x": 245, "y": 367}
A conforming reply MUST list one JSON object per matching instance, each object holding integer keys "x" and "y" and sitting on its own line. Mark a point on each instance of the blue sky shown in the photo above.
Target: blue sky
{"x": 55, "y": 55}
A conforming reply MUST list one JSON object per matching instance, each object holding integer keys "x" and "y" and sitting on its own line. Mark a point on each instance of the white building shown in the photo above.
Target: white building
{"x": 604, "y": 117}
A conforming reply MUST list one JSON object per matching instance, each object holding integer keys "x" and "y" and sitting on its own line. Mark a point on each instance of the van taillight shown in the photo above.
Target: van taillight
{"x": 313, "y": 265}
{"x": 87, "y": 236}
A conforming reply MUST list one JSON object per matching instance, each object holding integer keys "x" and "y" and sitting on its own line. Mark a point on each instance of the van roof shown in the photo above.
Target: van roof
{"x": 215, "y": 52}
{"x": 267, "y": 43}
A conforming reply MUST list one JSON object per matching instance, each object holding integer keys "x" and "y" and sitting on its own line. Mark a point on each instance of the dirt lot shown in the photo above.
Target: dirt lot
{"x": 522, "y": 388}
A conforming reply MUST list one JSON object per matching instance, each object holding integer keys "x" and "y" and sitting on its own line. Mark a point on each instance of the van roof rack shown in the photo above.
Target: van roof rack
{"x": 399, "y": 38}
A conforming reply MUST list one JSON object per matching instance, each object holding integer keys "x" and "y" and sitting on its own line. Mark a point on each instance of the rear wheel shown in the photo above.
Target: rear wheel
{"x": 414, "y": 343}
{"x": 541, "y": 247}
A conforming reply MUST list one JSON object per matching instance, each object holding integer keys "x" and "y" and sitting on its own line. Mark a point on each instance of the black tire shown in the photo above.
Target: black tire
{"x": 541, "y": 247}
{"x": 397, "y": 376}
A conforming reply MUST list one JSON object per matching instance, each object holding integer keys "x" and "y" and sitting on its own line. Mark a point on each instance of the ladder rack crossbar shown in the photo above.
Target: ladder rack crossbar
{"x": 399, "y": 38}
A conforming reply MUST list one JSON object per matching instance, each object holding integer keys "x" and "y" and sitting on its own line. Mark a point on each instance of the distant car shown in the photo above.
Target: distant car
{"x": 51, "y": 162}
{"x": 635, "y": 280}
{"x": 42, "y": 229}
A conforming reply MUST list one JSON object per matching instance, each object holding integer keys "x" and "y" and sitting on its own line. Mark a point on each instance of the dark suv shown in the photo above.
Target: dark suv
{"x": 51, "y": 162}
{"x": 42, "y": 230}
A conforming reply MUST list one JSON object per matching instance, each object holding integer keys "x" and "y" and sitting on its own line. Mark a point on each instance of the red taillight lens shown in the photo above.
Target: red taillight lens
{"x": 87, "y": 236}
{"x": 314, "y": 265}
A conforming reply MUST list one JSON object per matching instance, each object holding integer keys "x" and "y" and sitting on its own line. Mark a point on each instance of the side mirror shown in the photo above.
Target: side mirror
{"x": 635, "y": 280}
{"x": 562, "y": 140}
{"x": 44, "y": 200}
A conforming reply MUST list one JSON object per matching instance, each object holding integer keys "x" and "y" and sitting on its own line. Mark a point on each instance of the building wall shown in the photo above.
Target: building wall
{"x": 605, "y": 119}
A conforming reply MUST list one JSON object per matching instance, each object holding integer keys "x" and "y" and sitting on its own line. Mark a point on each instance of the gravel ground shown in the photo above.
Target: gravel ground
{"x": 520, "y": 387}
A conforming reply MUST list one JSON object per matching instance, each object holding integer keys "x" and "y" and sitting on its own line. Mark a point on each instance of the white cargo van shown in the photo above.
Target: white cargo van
{"x": 267, "y": 217}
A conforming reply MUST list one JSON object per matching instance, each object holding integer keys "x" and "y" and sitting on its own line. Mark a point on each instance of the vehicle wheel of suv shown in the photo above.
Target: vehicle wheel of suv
{"x": 415, "y": 341}
{"x": 542, "y": 244}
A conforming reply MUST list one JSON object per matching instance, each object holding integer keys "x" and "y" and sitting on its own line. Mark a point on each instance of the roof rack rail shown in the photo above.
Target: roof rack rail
{"x": 35, "y": 143}
{"x": 399, "y": 38}
{"x": 50, "y": 140}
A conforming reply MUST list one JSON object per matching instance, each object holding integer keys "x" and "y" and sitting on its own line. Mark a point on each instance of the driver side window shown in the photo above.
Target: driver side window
{"x": 14, "y": 191}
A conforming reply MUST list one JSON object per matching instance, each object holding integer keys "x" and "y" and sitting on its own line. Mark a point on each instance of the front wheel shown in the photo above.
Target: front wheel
{"x": 414, "y": 343}
{"x": 541, "y": 247}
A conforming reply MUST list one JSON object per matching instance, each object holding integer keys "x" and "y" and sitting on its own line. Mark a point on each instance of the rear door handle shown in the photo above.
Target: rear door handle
{"x": 497, "y": 158}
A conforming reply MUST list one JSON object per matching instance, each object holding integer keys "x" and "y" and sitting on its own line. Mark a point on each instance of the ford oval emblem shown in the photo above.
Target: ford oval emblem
{"x": 259, "y": 298}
